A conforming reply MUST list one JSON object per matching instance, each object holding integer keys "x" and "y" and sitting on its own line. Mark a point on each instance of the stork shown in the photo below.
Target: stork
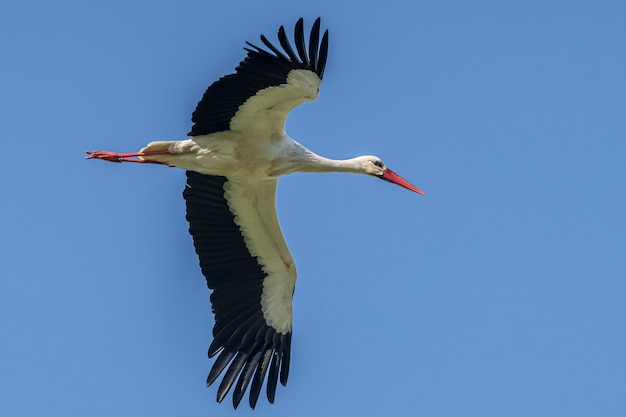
{"x": 236, "y": 151}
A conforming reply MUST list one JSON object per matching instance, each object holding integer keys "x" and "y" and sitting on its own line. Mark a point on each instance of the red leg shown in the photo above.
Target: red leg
{"x": 126, "y": 157}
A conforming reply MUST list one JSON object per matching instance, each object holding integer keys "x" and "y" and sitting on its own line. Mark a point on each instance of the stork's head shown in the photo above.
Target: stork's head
{"x": 373, "y": 165}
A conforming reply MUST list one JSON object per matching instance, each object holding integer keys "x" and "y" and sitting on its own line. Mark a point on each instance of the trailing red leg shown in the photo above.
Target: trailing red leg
{"x": 127, "y": 157}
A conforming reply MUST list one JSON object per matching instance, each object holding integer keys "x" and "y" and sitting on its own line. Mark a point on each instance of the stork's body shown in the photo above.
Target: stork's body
{"x": 237, "y": 150}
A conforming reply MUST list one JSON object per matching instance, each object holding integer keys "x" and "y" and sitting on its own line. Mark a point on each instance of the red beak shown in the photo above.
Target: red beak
{"x": 391, "y": 176}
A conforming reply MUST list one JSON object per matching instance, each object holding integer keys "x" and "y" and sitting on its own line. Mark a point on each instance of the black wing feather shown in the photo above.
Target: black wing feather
{"x": 272, "y": 378}
{"x": 245, "y": 378}
{"x": 321, "y": 62}
{"x": 259, "y": 376}
{"x": 284, "y": 42}
{"x": 241, "y": 336}
{"x": 229, "y": 377}
{"x": 219, "y": 365}
{"x": 298, "y": 37}
{"x": 260, "y": 69}
{"x": 314, "y": 41}
{"x": 285, "y": 347}
{"x": 271, "y": 47}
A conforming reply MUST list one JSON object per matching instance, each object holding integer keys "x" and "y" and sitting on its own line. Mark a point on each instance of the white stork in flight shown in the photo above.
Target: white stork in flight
{"x": 236, "y": 151}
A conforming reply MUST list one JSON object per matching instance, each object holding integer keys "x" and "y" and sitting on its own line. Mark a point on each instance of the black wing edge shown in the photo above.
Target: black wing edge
{"x": 241, "y": 335}
{"x": 260, "y": 69}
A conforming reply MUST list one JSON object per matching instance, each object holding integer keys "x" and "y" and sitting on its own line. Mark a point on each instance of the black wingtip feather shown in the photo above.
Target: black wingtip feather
{"x": 230, "y": 375}
{"x": 218, "y": 366}
{"x": 272, "y": 377}
{"x": 245, "y": 378}
{"x": 259, "y": 376}
{"x": 284, "y": 42}
{"x": 285, "y": 344}
{"x": 273, "y": 48}
{"x": 298, "y": 37}
{"x": 321, "y": 63}
{"x": 214, "y": 349}
{"x": 314, "y": 40}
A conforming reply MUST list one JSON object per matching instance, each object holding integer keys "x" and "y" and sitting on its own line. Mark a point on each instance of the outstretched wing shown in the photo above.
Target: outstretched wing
{"x": 265, "y": 86}
{"x": 247, "y": 265}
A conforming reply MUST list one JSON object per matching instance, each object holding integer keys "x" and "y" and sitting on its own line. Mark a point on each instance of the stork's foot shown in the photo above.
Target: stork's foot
{"x": 126, "y": 157}
{"x": 105, "y": 156}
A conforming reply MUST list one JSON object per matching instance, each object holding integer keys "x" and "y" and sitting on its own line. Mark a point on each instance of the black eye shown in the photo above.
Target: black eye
{"x": 378, "y": 164}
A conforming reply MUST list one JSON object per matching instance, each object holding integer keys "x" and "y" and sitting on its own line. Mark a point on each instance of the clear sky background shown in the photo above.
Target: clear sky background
{"x": 501, "y": 292}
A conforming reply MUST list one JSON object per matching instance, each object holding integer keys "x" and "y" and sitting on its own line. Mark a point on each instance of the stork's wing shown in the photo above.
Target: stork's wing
{"x": 265, "y": 87}
{"x": 247, "y": 265}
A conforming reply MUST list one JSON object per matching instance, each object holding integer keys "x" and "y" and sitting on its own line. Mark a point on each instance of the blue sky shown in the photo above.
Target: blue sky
{"x": 501, "y": 292}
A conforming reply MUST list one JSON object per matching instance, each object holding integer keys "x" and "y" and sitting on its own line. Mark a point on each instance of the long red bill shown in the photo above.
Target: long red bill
{"x": 391, "y": 176}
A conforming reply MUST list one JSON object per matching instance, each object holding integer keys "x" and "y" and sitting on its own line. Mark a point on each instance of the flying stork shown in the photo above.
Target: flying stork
{"x": 236, "y": 151}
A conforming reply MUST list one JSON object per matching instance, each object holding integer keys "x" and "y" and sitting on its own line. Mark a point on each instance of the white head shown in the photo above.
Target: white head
{"x": 373, "y": 165}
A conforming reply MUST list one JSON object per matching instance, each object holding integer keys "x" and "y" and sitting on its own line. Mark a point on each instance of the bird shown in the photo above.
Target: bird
{"x": 235, "y": 152}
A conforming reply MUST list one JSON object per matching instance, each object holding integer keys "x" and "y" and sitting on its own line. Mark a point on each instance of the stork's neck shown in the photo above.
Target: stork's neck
{"x": 321, "y": 164}
{"x": 301, "y": 159}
